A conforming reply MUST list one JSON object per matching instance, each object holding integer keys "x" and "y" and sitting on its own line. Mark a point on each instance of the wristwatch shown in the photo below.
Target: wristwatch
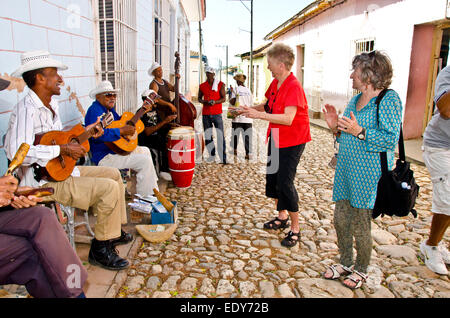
{"x": 362, "y": 134}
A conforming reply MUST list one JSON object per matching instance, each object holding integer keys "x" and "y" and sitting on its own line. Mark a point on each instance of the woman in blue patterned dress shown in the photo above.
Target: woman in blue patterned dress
{"x": 361, "y": 138}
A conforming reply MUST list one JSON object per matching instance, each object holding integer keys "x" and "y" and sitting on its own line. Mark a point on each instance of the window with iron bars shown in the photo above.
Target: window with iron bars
{"x": 363, "y": 46}
{"x": 118, "y": 45}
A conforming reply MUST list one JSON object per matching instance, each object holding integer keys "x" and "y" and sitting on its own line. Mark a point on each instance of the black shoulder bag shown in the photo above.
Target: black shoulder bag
{"x": 397, "y": 190}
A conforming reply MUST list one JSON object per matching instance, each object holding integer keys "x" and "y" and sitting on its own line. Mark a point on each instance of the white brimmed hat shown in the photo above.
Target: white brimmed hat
{"x": 103, "y": 87}
{"x": 209, "y": 69}
{"x": 154, "y": 66}
{"x": 35, "y": 60}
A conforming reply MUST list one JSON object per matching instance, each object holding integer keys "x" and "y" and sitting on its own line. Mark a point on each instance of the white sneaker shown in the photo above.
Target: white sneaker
{"x": 444, "y": 252}
{"x": 165, "y": 175}
{"x": 433, "y": 258}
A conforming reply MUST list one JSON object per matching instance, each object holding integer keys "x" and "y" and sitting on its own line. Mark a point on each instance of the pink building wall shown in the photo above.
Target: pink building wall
{"x": 418, "y": 81}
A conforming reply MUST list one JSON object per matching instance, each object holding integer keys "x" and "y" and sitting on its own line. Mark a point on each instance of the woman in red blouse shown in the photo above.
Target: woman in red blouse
{"x": 286, "y": 110}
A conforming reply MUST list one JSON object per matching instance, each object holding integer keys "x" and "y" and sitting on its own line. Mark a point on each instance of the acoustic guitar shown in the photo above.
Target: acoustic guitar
{"x": 127, "y": 144}
{"x": 61, "y": 167}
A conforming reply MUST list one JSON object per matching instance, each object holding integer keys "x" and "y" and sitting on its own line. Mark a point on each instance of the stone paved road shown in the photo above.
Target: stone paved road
{"x": 220, "y": 248}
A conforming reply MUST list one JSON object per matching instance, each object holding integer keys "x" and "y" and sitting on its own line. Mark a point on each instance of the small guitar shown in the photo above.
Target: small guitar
{"x": 37, "y": 192}
{"x": 61, "y": 167}
{"x": 127, "y": 144}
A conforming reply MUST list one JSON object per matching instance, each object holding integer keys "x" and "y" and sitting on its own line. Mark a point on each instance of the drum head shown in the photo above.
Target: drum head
{"x": 183, "y": 132}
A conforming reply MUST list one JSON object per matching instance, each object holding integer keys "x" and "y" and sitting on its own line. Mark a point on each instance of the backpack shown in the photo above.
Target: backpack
{"x": 397, "y": 190}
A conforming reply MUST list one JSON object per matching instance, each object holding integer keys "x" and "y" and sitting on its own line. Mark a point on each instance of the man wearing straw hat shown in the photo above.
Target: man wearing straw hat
{"x": 241, "y": 124}
{"x": 140, "y": 160}
{"x": 99, "y": 188}
{"x": 156, "y": 126}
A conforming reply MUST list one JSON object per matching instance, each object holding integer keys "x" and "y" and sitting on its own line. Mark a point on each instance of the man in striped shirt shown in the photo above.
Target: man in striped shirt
{"x": 99, "y": 188}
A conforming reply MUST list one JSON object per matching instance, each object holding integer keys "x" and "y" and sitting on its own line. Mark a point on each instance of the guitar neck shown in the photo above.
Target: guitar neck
{"x": 86, "y": 135}
{"x": 138, "y": 115}
{"x": 91, "y": 132}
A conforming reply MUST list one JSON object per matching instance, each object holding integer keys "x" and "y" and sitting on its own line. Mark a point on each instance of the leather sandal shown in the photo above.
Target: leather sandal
{"x": 358, "y": 280}
{"x": 335, "y": 271}
{"x": 289, "y": 241}
{"x": 272, "y": 225}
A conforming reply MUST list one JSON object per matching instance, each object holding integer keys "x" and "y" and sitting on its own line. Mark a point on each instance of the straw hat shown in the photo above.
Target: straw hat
{"x": 4, "y": 84}
{"x": 240, "y": 77}
{"x": 35, "y": 60}
{"x": 154, "y": 66}
{"x": 209, "y": 69}
{"x": 103, "y": 87}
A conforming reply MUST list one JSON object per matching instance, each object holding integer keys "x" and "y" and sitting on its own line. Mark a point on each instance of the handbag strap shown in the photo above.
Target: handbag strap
{"x": 401, "y": 144}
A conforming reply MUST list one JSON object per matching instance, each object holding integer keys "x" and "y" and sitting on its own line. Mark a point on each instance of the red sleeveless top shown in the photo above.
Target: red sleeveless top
{"x": 209, "y": 94}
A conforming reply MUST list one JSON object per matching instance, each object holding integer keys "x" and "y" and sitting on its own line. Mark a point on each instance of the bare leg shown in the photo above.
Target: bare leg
{"x": 439, "y": 225}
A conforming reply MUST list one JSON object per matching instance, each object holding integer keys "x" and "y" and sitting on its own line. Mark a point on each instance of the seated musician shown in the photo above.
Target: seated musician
{"x": 158, "y": 123}
{"x": 99, "y": 188}
{"x": 34, "y": 249}
{"x": 140, "y": 160}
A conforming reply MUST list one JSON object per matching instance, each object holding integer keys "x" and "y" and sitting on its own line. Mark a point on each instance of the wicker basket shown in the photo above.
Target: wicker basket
{"x": 145, "y": 230}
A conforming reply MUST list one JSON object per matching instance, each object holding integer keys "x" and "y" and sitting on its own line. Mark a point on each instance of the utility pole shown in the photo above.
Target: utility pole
{"x": 226, "y": 72}
{"x": 251, "y": 46}
{"x": 200, "y": 68}
{"x": 251, "y": 41}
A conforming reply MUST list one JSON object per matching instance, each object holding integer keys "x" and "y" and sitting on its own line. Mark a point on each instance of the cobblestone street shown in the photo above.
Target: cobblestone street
{"x": 220, "y": 248}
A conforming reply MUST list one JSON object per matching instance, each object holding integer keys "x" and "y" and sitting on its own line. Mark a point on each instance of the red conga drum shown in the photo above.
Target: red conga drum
{"x": 181, "y": 153}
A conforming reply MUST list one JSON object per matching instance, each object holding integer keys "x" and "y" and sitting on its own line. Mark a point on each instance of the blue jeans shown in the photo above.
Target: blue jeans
{"x": 208, "y": 122}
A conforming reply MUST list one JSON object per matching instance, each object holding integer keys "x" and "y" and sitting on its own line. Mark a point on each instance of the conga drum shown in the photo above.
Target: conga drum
{"x": 181, "y": 153}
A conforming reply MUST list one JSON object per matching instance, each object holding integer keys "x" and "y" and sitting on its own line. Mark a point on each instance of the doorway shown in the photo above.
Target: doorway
{"x": 301, "y": 63}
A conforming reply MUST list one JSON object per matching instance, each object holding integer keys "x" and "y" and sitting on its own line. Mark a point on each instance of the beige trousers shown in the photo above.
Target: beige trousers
{"x": 100, "y": 188}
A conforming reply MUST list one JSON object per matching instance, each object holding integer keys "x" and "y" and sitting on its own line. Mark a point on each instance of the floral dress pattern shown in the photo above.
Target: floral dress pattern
{"x": 358, "y": 168}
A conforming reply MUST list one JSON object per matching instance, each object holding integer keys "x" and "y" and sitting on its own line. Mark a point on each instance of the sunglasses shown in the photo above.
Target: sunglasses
{"x": 109, "y": 95}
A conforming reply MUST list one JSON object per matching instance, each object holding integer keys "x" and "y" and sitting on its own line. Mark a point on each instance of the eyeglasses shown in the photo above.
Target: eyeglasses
{"x": 109, "y": 95}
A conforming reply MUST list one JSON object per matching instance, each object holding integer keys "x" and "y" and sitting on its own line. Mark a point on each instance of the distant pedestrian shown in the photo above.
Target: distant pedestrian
{"x": 361, "y": 138}
{"x": 436, "y": 155}
{"x": 286, "y": 110}
{"x": 230, "y": 92}
{"x": 212, "y": 94}
{"x": 241, "y": 124}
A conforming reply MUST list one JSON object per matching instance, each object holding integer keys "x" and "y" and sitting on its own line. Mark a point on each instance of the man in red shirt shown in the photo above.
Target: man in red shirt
{"x": 212, "y": 94}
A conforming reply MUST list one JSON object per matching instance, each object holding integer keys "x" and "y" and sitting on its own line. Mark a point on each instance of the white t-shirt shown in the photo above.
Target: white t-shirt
{"x": 437, "y": 133}
{"x": 245, "y": 99}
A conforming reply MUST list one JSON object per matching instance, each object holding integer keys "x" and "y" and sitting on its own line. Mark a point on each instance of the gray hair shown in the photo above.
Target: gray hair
{"x": 283, "y": 53}
{"x": 376, "y": 69}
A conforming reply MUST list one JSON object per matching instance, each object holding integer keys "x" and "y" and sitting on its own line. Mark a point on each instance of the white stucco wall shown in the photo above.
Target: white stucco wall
{"x": 65, "y": 28}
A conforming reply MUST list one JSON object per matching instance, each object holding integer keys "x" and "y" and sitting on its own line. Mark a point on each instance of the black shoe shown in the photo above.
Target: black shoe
{"x": 124, "y": 238}
{"x": 103, "y": 254}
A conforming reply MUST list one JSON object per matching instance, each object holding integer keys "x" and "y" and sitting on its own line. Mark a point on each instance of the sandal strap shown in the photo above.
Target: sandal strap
{"x": 362, "y": 275}
{"x": 291, "y": 234}
{"x": 336, "y": 274}
{"x": 273, "y": 223}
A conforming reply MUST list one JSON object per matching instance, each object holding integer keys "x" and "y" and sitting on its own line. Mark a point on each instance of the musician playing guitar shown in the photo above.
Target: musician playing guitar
{"x": 139, "y": 160}
{"x": 98, "y": 187}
